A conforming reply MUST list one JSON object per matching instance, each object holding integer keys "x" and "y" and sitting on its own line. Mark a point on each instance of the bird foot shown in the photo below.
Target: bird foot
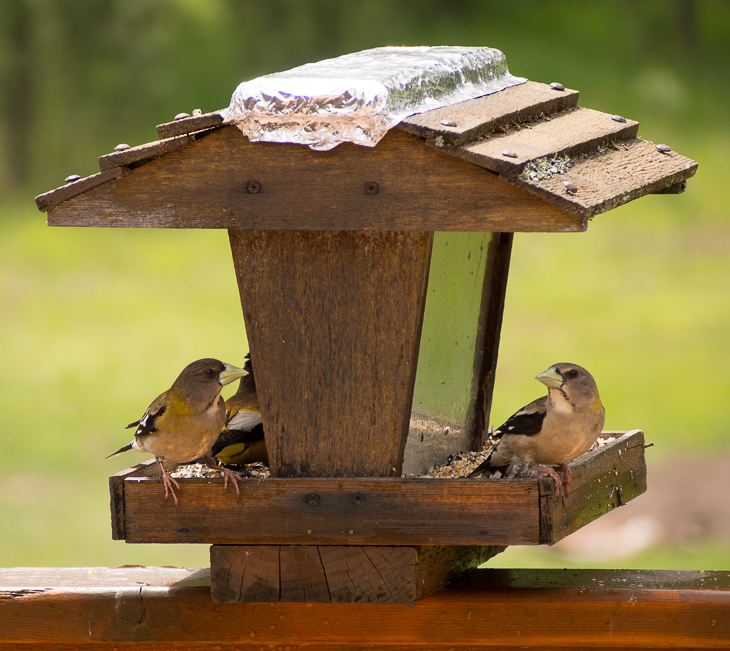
{"x": 568, "y": 477}
{"x": 229, "y": 474}
{"x": 550, "y": 471}
{"x": 169, "y": 482}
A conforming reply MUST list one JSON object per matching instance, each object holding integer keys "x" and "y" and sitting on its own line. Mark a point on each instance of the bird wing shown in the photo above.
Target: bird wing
{"x": 527, "y": 421}
{"x": 241, "y": 419}
{"x": 148, "y": 423}
{"x": 234, "y": 436}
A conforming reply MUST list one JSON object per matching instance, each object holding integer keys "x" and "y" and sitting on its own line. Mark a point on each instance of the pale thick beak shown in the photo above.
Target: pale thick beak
{"x": 551, "y": 378}
{"x": 230, "y": 373}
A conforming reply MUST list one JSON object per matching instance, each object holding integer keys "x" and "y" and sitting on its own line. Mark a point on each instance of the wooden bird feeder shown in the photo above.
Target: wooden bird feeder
{"x": 372, "y": 282}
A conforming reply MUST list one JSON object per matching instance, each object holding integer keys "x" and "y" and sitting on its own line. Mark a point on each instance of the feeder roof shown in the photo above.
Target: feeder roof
{"x": 533, "y": 136}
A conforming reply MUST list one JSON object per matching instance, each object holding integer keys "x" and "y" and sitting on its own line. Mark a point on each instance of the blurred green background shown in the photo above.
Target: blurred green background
{"x": 95, "y": 323}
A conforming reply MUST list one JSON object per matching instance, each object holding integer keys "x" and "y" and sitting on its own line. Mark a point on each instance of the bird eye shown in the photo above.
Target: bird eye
{"x": 209, "y": 372}
{"x": 572, "y": 373}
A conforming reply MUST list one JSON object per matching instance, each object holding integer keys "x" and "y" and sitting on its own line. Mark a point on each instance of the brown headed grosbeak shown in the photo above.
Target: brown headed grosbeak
{"x": 552, "y": 430}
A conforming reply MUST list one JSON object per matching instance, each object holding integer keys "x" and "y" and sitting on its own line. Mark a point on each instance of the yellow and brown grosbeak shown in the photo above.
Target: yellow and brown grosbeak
{"x": 183, "y": 423}
{"x": 552, "y": 430}
{"x": 242, "y": 439}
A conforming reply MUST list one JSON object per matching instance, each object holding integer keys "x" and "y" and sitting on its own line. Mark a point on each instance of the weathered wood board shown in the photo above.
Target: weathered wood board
{"x": 612, "y": 176}
{"x": 205, "y": 184}
{"x": 157, "y": 609}
{"x": 572, "y": 133}
{"x": 333, "y": 320}
{"x": 379, "y": 511}
{"x": 480, "y": 117}
{"x": 337, "y": 574}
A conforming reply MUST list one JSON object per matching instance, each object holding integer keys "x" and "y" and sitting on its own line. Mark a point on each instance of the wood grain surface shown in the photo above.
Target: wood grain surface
{"x": 493, "y": 297}
{"x": 333, "y": 321}
{"x": 205, "y": 185}
{"x": 603, "y": 480}
{"x": 50, "y": 199}
{"x": 480, "y": 117}
{"x": 569, "y": 133}
{"x": 383, "y": 511}
{"x": 488, "y": 609}
{"x": 142, "y": 152}
{"x": 610, "y": 178}
{"x": 337, "y": 574}
{"x": 189, "y": 125}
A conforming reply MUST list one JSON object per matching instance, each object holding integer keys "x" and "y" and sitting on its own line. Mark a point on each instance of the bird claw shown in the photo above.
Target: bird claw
{"x": 550, "y": 471}
{"x": 168, "y": 481}
{"x": 229, "y": 474}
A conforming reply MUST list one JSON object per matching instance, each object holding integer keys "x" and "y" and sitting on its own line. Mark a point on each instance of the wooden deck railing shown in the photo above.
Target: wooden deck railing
{"x": 133, "y": 608}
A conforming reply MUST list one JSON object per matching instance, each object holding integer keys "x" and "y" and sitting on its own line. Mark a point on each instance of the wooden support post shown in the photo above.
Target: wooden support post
{"x": 495, "y": 290}
{"x": 333, "y": 320}
{"x": 335, "y": 573}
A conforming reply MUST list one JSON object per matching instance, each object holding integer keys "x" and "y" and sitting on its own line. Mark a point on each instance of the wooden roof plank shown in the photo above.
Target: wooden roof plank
{"x": 205, "y": 186}
{"x": 189, "y": 125}
{"x": 611, "y": 177}
{"x": 570, "y": 133}
{"x": 142, "y": 152}
{"x": 477, "y": 118}
{"x": 53, "y": 198}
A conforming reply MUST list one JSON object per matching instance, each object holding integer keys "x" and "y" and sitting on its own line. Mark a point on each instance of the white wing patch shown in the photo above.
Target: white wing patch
{"x": 245, "y": 420}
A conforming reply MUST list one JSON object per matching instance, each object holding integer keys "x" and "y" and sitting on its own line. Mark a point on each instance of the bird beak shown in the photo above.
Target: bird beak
{"x": 551, "y": 378}
{"x": 230, "y": 373}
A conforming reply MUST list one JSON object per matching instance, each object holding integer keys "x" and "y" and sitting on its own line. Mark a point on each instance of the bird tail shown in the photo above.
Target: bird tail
{"x": 120, "y": 450}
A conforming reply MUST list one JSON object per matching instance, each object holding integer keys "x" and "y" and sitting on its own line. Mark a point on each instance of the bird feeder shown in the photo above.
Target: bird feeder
{"x": 371, "y": 249}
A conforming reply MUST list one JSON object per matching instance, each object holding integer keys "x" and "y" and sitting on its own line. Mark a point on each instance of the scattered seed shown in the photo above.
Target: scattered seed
{"x": 509, "y": 154}
{"x": 665, "y": 149}
{"x": 570, "y": 187}
{"x": 182, "y": 116}
{"x": 122, "y": 146}
{"x": 557, "y": 86}
{"x": 72, "y": 178}
{"x": 618, "y": 118}
{"x": 448, "y": 123}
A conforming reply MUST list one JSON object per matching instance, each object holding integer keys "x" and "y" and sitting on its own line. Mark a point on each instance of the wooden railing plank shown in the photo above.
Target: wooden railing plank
{"x": 491, "y": 609}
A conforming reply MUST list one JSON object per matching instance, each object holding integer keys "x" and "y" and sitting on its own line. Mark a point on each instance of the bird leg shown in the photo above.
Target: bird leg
{"x": 568, "y": 477}
{"x": 229, "y": 474}
{"x": 550, "y": 471}
{"x": 168, "y": 482}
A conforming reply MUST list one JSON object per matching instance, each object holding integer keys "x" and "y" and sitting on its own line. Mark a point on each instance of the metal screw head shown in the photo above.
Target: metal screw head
{"x": 122, "y": 146}
{"x": 570, "y": 187}
{"x": 509, "y": 154}
{"x": 557, "y": 86}
{"x": 371, "y": 187}
{"x": 313, "y": 499}
{"x": 182, "y": 116}
{"x": 618, "y": 118}
{"x": 448, "y": 123}
{"x": 358, "y": 499}
{"x": 665, "y": 149}
{"x": 253, "y": 187}
{"x": 72, "y": 178}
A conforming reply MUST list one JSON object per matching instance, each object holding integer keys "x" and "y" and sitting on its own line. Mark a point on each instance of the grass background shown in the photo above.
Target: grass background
{"x": 95, "y": 323}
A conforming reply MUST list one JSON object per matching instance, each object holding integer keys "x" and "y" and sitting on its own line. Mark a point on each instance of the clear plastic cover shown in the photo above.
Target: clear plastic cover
{"x": 359, "y": 97}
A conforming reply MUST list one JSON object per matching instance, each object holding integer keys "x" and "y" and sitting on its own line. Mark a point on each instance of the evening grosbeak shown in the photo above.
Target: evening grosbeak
{"x": 242, "y": 439}
{"x": 183, "y": 423}
{"x": 554, "y": 429}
